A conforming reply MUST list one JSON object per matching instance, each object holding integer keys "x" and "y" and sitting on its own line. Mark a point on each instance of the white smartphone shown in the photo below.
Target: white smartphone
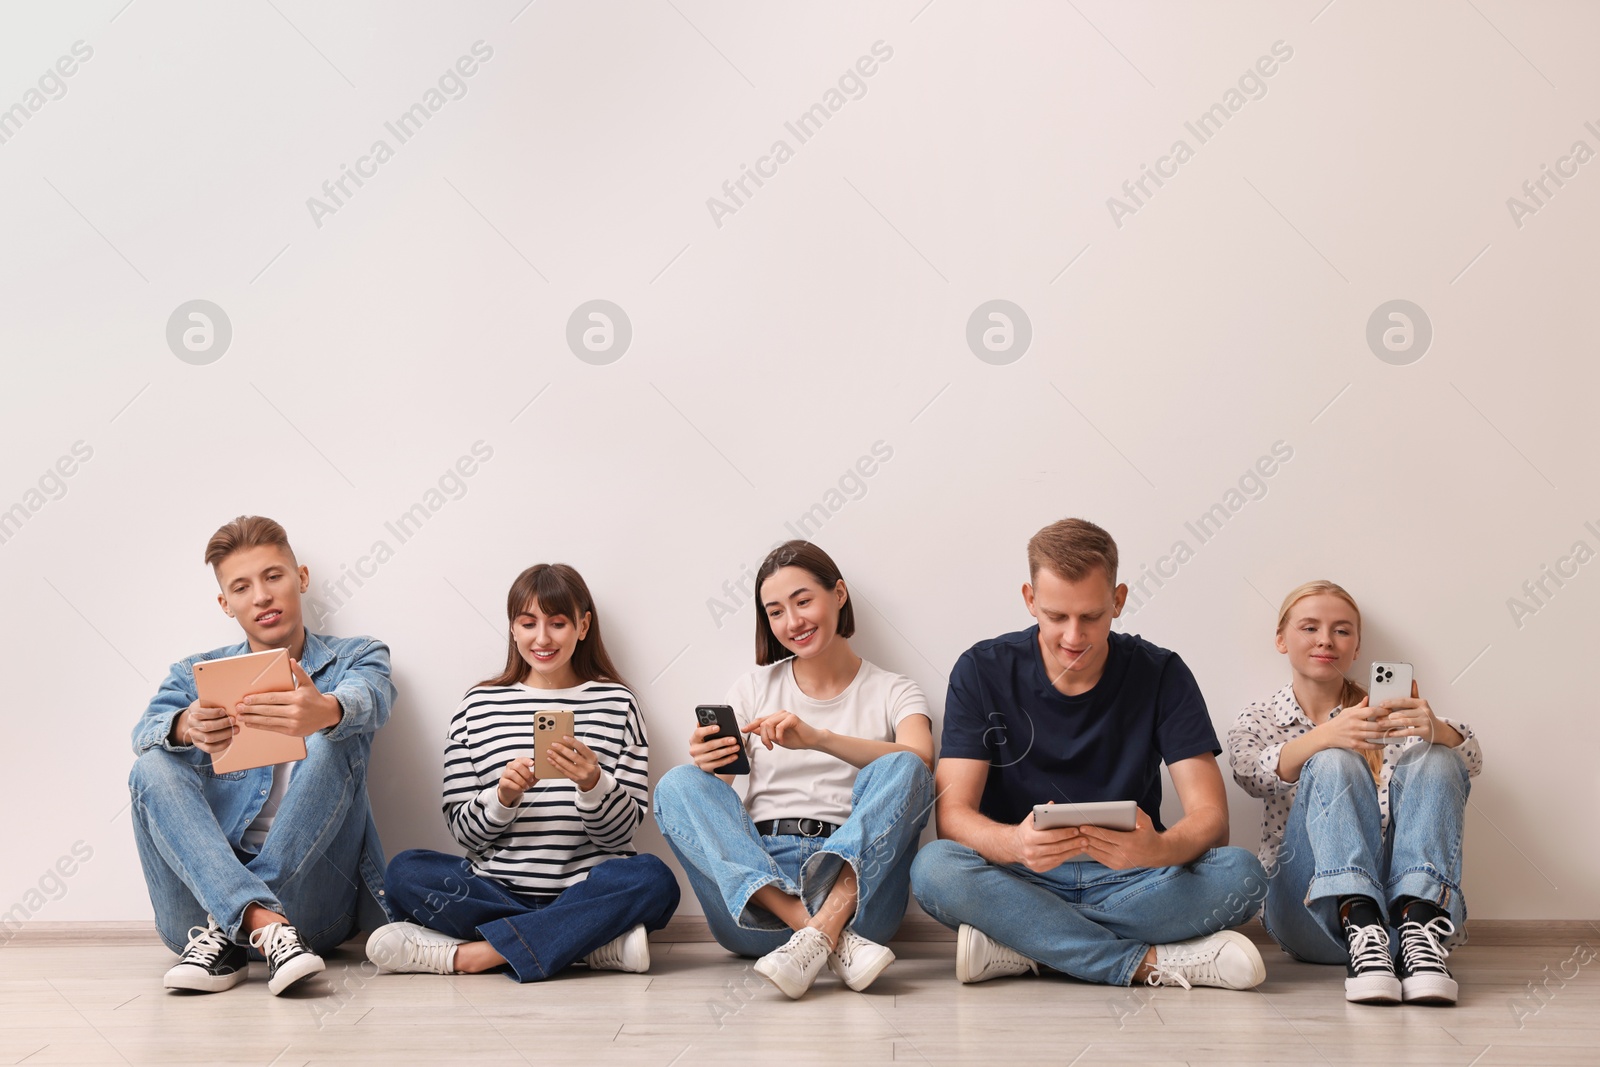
{"x": 1389, "y": 681}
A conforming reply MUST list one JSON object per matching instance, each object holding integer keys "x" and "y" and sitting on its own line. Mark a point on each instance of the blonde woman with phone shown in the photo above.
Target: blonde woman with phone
{"x": 1364, "y": 809}
{"x": 545, "y": 782}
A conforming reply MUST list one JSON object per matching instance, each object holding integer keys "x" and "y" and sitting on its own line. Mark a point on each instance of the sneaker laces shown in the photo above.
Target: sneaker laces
{"x": 434, "y": 955}
{"x": 1422, "y": 945}
{"x": 608, "y": 955}
{"x": 206, "y": 944}
{"x": 805, "y": 949}
{"x": 848, "y": 940}
{"x": 1179, "y": 970}
{"x": 1166, "y": 976}
{"x": 1369, "y": 948}
{"x": 278, "y": 942}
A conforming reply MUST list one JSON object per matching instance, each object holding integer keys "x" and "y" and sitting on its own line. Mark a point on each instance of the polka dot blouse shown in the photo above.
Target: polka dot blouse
{"x": 1258, "y": 737}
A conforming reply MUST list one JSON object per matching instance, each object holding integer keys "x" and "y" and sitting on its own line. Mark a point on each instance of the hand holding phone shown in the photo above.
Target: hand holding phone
{"x": 709, "y": 745}
{"x": 549, "y": 727}
{"x": 516, "y": 779}
{"x": 1392, "y": 682}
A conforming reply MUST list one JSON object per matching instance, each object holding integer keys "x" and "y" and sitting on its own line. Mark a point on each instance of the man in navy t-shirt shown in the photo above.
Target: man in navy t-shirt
{"x": 1069, "y": 712}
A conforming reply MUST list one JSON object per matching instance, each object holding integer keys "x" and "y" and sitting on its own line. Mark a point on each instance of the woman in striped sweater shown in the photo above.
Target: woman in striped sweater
{"x": 550, "y": 876}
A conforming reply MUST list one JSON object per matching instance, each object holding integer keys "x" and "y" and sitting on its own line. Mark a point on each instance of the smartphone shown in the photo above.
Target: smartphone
{"x": 722, "y": 716}
{"x": 1108, "y": 814}
{"x": 548, "y": 728}
{"x": 1390, "y": 681}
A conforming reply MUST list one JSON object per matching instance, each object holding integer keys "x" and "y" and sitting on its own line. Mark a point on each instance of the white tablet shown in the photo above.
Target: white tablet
{"x": 1107, "y": 814}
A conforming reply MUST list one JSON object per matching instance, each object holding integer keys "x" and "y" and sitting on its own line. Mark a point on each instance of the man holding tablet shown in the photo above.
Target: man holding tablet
{"x": 283, "y": 858}
{"x": 1069, "y": 712}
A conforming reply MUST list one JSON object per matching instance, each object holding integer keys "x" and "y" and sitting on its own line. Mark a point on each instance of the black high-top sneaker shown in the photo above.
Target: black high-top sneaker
{"x": 1369, "y": 978}
{"x": 1424, "y": 977}
{"x": 288, "y": 957}
{"x": 210, "y": 962}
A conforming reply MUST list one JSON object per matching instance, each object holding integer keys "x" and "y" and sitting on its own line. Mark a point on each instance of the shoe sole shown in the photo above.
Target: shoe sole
{"x": 1429, "y": 989}
{"x": 861, "y": 981}
{"x": 202, "y": 982}
{"x": 303, "y": 966}
{"x": 964, "y": 973}
{"x": 1372, "y": 989}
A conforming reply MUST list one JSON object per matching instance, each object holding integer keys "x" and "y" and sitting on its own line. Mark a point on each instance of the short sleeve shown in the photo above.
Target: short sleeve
{"x": 1183, "y": 725}
{"x": 965, "y": 733}
{"x": 905, "y": 700}
{"x": 741, "y": 698}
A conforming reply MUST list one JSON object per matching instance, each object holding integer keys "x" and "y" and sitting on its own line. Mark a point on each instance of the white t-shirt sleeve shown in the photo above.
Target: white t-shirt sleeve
{"x": 741, "y": 699}
{"x": 906, "y": 699}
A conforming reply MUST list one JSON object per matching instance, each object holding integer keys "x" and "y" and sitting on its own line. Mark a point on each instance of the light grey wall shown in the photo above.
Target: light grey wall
{"x": 1178, "y": 334}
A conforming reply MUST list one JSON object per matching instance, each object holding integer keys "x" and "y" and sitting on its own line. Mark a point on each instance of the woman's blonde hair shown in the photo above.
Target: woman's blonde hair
{"x": 1352, "y": 693}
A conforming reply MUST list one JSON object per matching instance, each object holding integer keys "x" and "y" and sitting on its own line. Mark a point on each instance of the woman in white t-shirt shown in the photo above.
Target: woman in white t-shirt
{"x": 813, "y": 865}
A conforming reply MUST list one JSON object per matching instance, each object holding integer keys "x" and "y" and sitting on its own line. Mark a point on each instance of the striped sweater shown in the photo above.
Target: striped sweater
{"x": 557, "y": 833}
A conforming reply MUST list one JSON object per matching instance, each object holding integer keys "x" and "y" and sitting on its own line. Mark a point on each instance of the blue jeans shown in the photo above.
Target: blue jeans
{"x": 538, "y": 935}
{"x": 308, "y": 868}
{"x": 1333, "y": 846}
{"x": 1083, "y": 918}
{"x": 726, "y": 860}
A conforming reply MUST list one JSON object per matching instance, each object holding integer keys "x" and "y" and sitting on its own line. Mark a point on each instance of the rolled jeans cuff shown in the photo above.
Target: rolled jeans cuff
{"x": 1348, "y": 882}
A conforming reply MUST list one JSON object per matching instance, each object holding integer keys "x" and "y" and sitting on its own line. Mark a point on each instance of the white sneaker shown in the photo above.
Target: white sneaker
{"x": 857, "y": 961}
{"x": 795, "y": 964}
{"x": 288, "y": 959}
{"x": 980, "y": 957}
{"x": 1227, "y": 960}
{"x": 406, "y": 948}
{"x": 630, "y": 952}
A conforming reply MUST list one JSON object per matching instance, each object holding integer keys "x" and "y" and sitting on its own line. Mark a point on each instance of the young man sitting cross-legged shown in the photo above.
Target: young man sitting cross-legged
{"x": 1069, "y": 711}
{"x": 285, "y": 858}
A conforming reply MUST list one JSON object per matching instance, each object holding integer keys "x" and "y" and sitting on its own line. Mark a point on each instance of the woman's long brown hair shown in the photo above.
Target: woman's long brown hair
{"x": 556, "y": 589}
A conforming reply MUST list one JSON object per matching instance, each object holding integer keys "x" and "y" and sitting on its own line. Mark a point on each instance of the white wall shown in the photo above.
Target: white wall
{"x": 769, "y": 352}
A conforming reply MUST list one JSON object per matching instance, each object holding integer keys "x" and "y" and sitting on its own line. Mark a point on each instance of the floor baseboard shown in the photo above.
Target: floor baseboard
{"x": 916, "y": 928}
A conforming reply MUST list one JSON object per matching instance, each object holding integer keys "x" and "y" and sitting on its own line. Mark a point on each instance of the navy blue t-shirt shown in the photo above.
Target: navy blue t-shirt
{"x": 1106, "y": 744}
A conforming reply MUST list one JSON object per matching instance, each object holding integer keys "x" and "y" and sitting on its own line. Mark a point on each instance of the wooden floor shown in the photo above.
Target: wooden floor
{"x": 105, "y": 1004}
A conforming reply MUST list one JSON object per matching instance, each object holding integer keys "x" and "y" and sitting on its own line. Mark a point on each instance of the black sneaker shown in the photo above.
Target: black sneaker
{"x": 287, "y": 956}
{"x": 1369, "y": 977}
{"x": 210, "y": 962}
{"x": 1424, "y": 978}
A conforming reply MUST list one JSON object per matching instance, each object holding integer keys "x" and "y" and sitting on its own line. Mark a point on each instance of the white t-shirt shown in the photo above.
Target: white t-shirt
{"x": 802, "y": 783}
{"x": 255, "y": 835}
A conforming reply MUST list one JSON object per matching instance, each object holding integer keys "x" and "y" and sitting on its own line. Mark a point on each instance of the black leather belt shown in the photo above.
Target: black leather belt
{"x": 796, "y": 828}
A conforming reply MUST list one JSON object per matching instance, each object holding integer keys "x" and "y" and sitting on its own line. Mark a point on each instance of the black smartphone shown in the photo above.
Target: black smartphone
{"x": 722, "y": 716}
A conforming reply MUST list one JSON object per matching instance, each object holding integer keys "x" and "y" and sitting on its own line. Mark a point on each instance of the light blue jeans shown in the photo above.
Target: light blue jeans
{"x": 308, "y": 868}
{"x": 1084, "y": 918}
{"x": 710, "y": 832}
{"x": 1333, "y": 846}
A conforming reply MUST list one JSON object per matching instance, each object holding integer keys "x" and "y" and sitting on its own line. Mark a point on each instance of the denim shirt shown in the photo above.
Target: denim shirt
{"x": 355, "y": 670}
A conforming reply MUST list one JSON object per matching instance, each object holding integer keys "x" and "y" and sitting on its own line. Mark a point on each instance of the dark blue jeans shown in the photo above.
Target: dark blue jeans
{"x": 538, "y": 935}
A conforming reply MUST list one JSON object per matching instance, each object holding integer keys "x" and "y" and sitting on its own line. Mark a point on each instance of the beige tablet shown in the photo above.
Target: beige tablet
{"x": 223, "y": 683}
